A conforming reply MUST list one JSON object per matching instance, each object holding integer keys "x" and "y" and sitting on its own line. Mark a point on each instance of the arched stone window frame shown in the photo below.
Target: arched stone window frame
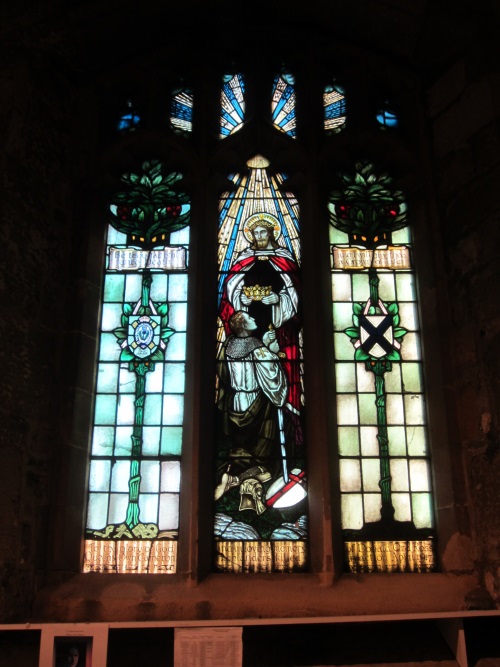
{"x": 311, "y": 159}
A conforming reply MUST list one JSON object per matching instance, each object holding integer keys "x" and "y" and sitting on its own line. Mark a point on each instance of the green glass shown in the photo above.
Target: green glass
{"x": 99, "y": 475}
{"x": 171, "y": 440}
{"x": 348, "y": 440}
{"x": 113, "y": 288}
{"x": 412, "y": 377}
{"x": 417, "y": 441}
{"x": 345, "y": 378}
{"x": 102, "y": 441}
{"x": 107, "y": 378}
{"x": 422, "y": 511}
{"x": 152, "y": 409}
{"x": 397, "y": 440}
{"x": 393, "y": 380}
{"x": 367, "y": 409}
{"x": 376, "y": 329}
{"x": 140, "y": 383}
{"x": 105, "y": 409}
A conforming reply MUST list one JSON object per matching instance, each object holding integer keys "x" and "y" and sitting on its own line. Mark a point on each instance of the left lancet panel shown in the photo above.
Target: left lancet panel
{"x": 135, "y": 462}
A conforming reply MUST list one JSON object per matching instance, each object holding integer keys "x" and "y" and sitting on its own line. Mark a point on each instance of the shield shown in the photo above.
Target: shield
{"x": 143, "y": 334}
{"x": 283, "y": 493}
{"x": 376, "y": 335}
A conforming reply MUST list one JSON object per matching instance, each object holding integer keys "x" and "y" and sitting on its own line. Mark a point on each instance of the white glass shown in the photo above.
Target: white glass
{"x": 347, "y": 409}
{"x": 350, "y": 475}
{"x": 169, "y": 511}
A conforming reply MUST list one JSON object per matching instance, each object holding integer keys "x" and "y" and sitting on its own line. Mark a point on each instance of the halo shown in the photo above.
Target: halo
{"x": 268, "y": 219}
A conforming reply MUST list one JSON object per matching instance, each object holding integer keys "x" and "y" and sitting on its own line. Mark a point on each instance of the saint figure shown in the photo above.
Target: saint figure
{"x": 252, "y": 393}
{"x": 264, "y": 282}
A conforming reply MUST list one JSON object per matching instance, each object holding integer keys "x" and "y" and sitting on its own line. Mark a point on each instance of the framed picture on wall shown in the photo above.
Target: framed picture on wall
{"x": 72, "y": 651}
{"x": 73, "y": 645}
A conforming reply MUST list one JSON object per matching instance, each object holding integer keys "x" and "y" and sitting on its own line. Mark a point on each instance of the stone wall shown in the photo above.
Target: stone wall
{"x": 463, "y": 109}
{"x": 36, "y": 171}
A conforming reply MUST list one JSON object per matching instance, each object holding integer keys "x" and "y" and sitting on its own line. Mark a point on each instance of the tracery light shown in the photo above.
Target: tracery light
{"x": 232, "y": 105}
{"x": 387, "y": 118}
{"x": 181, "y": 111}
{"x": 334, "y": 104}
{"x": 283, "y": 109}
{"x": 129, "y": 119}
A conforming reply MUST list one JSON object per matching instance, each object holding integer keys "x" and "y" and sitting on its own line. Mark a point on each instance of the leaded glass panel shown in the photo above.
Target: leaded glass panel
{"x": 260, "y": 471}
{"x": 129, "y": 119}
{"x": 181, "y": 111}
{"x": 387, "y": 118}
{"x": 283, "y": 110}
{"x": 334, "y": 104}
{"x": 232, "y": 115}
{"x": 134, "y": 482}
{"x": 386, "y": 501}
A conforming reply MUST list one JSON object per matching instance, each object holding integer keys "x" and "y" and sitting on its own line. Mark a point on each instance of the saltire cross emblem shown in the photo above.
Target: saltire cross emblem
{"x": 376, "y": 332}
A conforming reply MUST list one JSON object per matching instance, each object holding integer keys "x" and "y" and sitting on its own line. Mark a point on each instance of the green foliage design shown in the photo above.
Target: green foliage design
{"x": 150, "y": 207}
{"x": 367, "y": 207}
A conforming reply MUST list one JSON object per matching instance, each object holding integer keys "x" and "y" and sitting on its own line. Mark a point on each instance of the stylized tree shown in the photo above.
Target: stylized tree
{"x": 147, "y": 211}
{"x": 151, "y": 207}
{"x": 368, "y": 210}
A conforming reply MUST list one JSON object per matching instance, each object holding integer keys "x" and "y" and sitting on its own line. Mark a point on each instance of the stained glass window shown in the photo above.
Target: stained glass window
{"x": 283, "y": 104}
{"x": 129, "y": 119}
{"x": 335, "y": 108}
{"x": 260, "y": 476}
{"x": 181, "y": 111}
{"x": 232, "y": 105}
{"x": 385, "y": 477}
{"x": 134, "y": 476}
{"x": 386, "y": 118}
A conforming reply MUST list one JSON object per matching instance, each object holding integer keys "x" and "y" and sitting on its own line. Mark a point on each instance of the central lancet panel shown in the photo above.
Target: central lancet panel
{"x": 260, "y": 471}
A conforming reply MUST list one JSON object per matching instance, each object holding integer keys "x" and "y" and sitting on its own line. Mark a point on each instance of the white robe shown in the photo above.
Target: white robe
{"x": 257, "y": 370}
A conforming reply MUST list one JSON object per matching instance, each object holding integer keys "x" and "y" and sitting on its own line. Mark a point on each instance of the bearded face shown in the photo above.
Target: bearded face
{"x": 262, "y": 237}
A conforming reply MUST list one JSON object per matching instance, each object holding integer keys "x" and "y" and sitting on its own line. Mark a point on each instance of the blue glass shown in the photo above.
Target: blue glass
{"x": 129, "y": 120}
{"x": 181, "y": 111}
{"x": 334, "y": 108}
{"x": 232, "y": 105}
{"x": 387, "y": 118}
{"x": 283, "y": 104}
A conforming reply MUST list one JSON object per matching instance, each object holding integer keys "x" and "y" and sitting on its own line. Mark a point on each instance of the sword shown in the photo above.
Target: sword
{"x": 282, "y": 444}
{"x": 281, "y": 427}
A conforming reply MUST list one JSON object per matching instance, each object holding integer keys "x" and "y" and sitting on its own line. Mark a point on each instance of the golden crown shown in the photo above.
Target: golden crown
{"x": 256, "y": 292}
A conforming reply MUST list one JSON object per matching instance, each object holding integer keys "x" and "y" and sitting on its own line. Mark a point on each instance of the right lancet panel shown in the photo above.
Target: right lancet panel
{"x": 385, "y": 477}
